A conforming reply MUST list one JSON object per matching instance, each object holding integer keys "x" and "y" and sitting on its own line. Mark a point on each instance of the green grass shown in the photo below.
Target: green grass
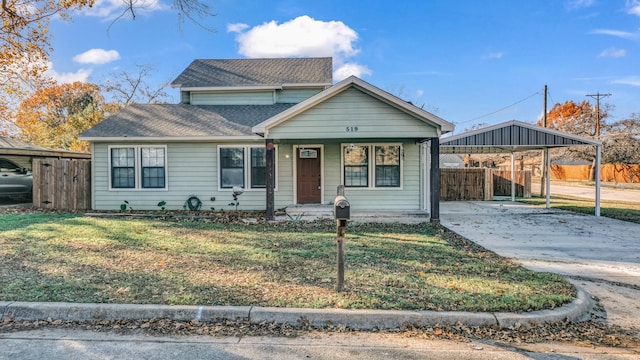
{"x": 621, "y": 210}
{"x": 71, "y": 257}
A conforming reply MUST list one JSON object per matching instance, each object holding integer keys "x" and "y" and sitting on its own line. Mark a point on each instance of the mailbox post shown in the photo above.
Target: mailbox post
{"x": 342, "y": 212}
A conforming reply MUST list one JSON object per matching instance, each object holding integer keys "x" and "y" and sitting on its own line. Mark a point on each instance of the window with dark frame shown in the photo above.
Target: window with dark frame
{"x": 153, "y": 168}
{"x": 258, "y": 168}
{"x": 231, "y": 167}
{"x": 379, "y": 162}
{"x": 243, "y": 166}
{"x": 123, "y": 172}
{"x": 387, "y": 163}
{"x": 356, "y": 166}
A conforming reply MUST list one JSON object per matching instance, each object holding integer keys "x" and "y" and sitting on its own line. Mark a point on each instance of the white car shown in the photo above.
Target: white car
{"x": 15, "y": 181}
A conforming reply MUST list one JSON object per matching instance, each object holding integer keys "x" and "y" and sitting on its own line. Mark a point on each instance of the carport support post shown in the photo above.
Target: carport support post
{"x": 547, "y": 180}
{"x": 270, "y": 180}
{"x": 513, "y": 177}
{"x": 435, "y": 180}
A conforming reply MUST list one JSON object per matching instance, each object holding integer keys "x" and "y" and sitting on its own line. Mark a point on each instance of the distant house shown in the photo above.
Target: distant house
{"x": 235, "y": 113}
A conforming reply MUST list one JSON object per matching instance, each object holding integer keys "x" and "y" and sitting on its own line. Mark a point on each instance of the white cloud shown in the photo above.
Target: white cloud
{"x": 111, "y": 9}
{"x": 302, "y": 36}
{"x": 80, "y": 75}
{"x": 237, "y": 27}
{"x": 348, "y": 69}
{"x": 613, "y": 53}
{"x": 97, "y": 56}
{"x": 633, "y": 7}
{"x": 419, "y": 93}
{"x": 618, "y": 33}
{"x": 629, "y": 80}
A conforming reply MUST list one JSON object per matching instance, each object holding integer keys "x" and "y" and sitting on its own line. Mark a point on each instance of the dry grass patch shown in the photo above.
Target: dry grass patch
{"x": 70, "y": 257}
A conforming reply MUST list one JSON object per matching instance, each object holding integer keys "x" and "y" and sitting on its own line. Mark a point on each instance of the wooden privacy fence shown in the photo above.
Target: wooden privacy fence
{"x": 622, "y": 173}
{"x": 466, "y": 184}
{"x": 62, "y": 184}
{"x": 481, "y": 184}
{"x": 502, "y": 183}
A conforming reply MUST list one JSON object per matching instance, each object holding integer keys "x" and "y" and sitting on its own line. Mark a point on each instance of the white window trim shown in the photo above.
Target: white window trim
{"x": 247, "y": 167}
{"x": 137, "y": 165}
{"x": 371, "y": 166}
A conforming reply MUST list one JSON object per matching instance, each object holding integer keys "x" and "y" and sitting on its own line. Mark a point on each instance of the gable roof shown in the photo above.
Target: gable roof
{"x": 232, "y": 73}
{"x": 181, "y": 121}
{"x": 509, "y": 137}
{"x": 355, "y": 82}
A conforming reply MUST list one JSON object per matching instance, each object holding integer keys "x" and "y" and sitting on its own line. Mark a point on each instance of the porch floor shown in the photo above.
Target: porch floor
{"x": 320, "y": 211}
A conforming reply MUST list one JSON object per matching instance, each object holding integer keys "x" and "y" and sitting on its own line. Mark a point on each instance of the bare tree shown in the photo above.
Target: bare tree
{"x": 129, "y": 88}
{"x": 622, "y": 140}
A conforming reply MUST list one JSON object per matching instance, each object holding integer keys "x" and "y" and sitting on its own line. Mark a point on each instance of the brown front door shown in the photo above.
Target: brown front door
{"x": 308, "y": 175}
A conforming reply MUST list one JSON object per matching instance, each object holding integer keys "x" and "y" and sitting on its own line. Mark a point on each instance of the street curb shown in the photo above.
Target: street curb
{"x": 578, "y": 310}
{"x": 355, "y": 319}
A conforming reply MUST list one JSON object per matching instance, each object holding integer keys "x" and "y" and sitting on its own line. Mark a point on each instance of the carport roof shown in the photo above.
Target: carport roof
{"x": 510, "y": 136}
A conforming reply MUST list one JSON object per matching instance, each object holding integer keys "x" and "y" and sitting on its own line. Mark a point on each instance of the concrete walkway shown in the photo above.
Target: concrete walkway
{"x": 568, "y": 243}
{"x": 600, "y": 254}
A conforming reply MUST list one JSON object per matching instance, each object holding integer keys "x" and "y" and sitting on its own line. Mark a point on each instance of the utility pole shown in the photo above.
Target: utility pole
{"x": 543, "y": 166}
{"x": 592, "y": 172}
{"x": 597, "y": 96}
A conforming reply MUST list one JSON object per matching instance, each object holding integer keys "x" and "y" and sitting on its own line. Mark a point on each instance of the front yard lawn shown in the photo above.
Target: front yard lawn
{"x": 77, "y": 258}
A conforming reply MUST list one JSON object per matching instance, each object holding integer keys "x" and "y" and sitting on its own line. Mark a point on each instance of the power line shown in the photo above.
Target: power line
{"x": 597, "y": 96}
{"x": 502, "y": 109}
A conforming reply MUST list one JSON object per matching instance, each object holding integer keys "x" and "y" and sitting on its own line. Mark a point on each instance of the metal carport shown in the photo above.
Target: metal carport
{"x": 514, "y": 136}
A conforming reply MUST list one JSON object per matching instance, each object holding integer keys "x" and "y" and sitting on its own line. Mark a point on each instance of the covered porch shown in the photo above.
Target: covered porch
{"x": 385, "y": 151}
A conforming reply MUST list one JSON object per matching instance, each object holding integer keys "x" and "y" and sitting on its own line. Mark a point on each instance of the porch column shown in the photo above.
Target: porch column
{"x": 270, "y": 180}
{"x": 435, "y": 180}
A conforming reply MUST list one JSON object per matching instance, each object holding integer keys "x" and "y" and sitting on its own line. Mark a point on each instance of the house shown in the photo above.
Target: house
{"x": 240, "y": 118}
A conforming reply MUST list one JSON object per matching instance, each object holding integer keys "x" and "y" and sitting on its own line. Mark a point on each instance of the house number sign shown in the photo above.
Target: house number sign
{"x": 352, "y": 128}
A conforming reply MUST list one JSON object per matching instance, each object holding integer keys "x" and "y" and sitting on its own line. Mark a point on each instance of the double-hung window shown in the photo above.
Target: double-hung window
{"x": 138, "y": 167}
{"x": 243, "y": 166}
{"x": 372, "y": 165}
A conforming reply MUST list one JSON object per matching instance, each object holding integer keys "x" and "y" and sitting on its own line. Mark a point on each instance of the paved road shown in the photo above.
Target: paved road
{"x": 71, "y": 344}
{"x": 589, "y": 192}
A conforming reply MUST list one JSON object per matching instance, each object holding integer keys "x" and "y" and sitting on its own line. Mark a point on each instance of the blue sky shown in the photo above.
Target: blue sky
{"x": 469, "y": 62}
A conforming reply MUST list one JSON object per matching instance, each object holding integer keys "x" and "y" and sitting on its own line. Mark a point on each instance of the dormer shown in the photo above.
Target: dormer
{"x": 253, "y": 81}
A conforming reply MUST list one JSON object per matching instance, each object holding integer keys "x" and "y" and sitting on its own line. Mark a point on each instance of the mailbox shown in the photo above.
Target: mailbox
{"x": 341, "y": 208}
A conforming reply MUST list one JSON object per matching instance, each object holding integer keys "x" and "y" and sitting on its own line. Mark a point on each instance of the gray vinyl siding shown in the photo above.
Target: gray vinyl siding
{"x": 265, "y": 97}
{"x": 233, "y": 98}
{"x": 192, "y": 171}
{"x": 406, "y": 198}
{"x": 352, "y": 114}
{"x": 294, "y": 96}
{"x": 185, "y": 97}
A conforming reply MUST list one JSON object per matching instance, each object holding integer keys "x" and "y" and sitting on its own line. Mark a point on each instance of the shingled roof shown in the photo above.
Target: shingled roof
{"x": 255, "y": 72}
{"x": 182, "y": 121}
{"x": 10, "y": 143}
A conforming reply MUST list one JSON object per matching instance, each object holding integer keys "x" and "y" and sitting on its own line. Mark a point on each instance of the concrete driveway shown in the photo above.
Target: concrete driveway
{"x": 599, "y": 253}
